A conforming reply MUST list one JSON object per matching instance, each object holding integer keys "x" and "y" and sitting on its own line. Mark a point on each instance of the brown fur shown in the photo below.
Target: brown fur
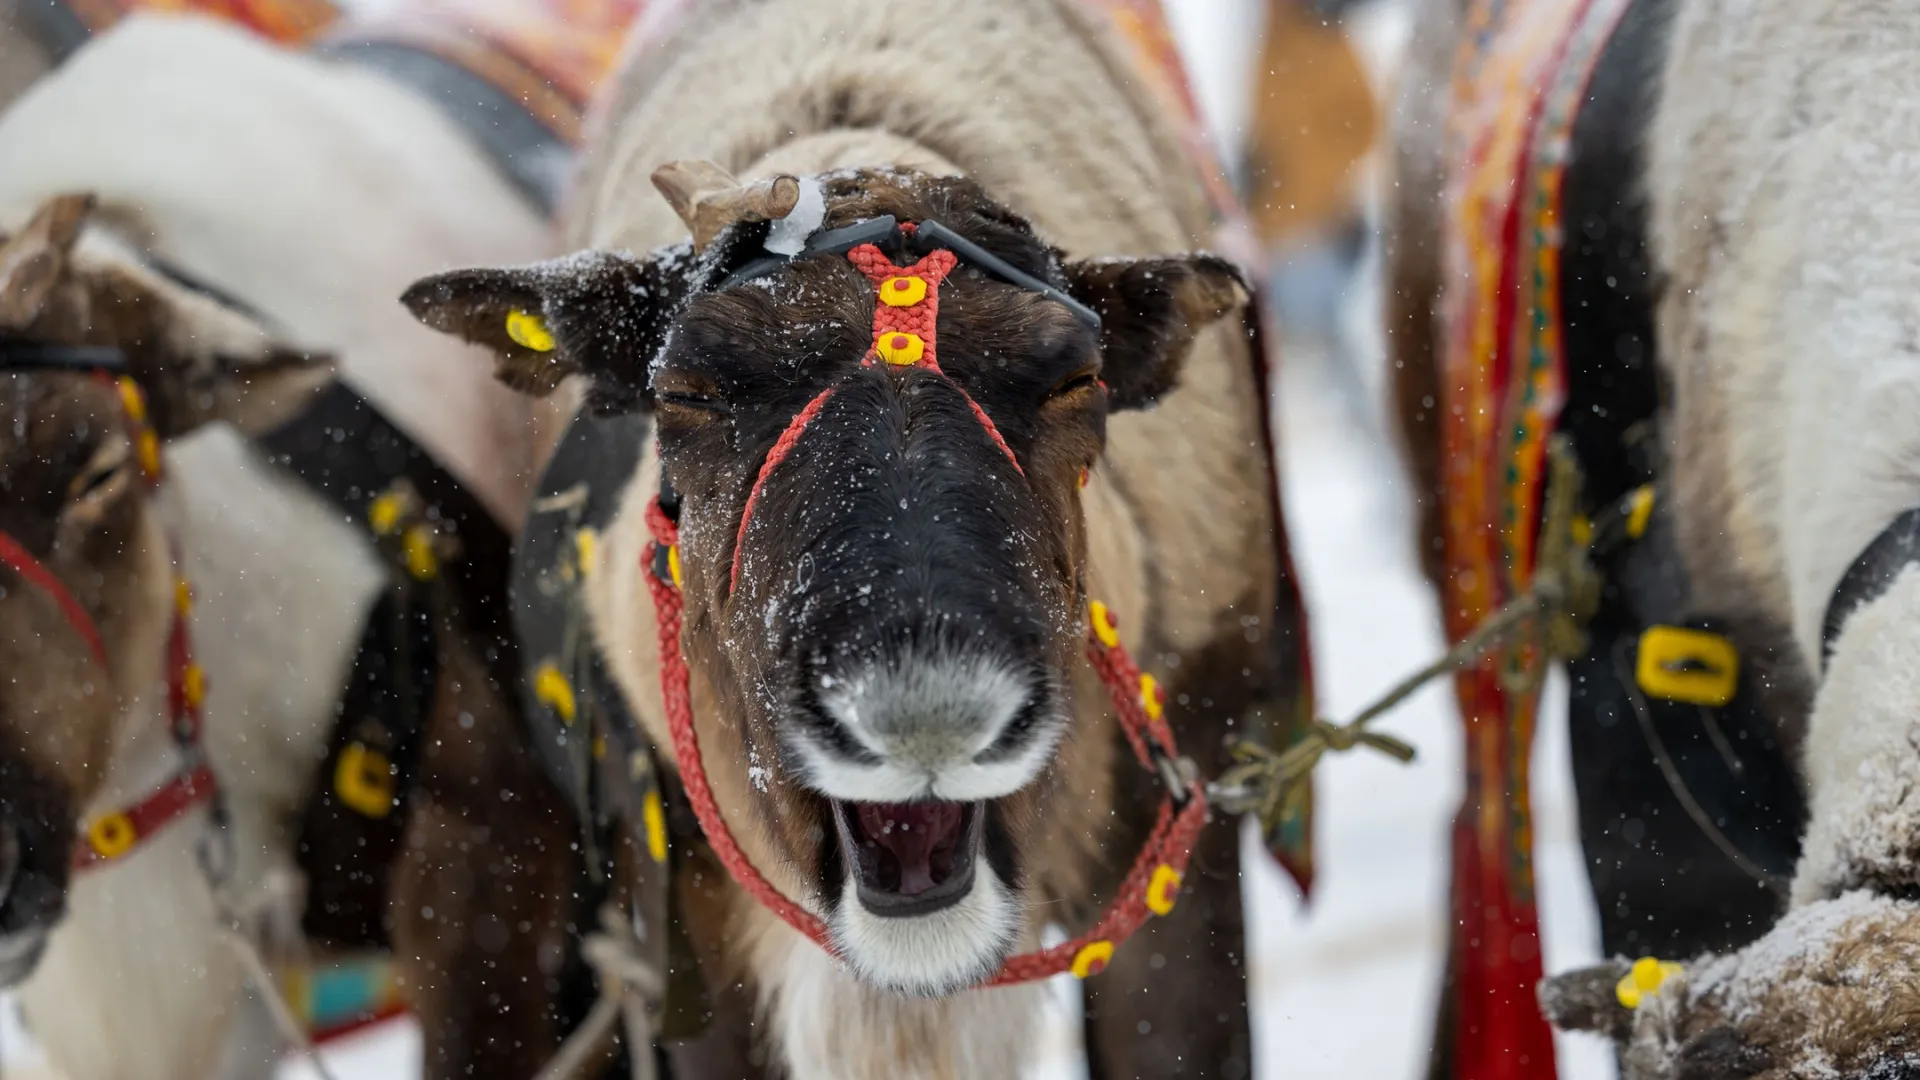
{"x": 1826, "y": 994}
{"x": 483, "y": 894}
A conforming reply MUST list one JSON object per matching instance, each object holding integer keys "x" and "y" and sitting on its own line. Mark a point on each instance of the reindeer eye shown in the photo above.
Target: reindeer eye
{"x": 103, "y": 477}
{"x": 1085, "y": 380}
{"x": 689, "y": 399}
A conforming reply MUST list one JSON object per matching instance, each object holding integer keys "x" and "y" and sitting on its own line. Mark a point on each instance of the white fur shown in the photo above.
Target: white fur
{"x": 316, "y": 193}
{"x": 1863, "y": 759}
{"x": 832, "y": 1027}
{"x": 936, "y": 953}
{"x": 1784, "y": 166}
{"x": 928, "y": 721}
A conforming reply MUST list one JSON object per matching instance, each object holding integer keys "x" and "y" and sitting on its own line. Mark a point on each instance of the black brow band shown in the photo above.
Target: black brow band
{"x": 928, "y": 236}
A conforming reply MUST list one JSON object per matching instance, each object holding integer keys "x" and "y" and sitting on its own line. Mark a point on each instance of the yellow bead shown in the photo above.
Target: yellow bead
{"x": 133, "y": 400}
{"x": 193, "y": 685}
{"x": 654, "y": 816}
{"x": 182, "y": 596}
{"x": 673, "y": 564}
{"x": 364, "y": 781}
{"x": 1092, "y": 959}
{"x": 551, "y": 689}
{"x": 422, "y": 562}
{"x": 586, "y": 545}
{"x": 903, "y": 291}
{"x": 112, "y": 835}
{"x": 1103, "y": 624}
{"x": 1693, "y": 666}
{"x": 384, "y": 513}
{"x": 1150, "y": 697}
{"x": 1582, "y": 530}
{"x": 1163, "y": 890}
{"x": 1640, "y": 511}
{"x": 900, "y": 348}
{"x": 529, "y": 331}
{"x": 147, "y": 446}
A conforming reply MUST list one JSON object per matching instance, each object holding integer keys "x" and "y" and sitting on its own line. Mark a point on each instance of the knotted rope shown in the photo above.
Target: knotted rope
{"x": 1564, "y": 593}
{"x": 630, "y": 986}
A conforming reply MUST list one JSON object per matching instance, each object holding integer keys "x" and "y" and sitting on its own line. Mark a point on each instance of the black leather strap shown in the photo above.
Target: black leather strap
{"x": 581, "y": 489}
{"x": 1872, "y": 572}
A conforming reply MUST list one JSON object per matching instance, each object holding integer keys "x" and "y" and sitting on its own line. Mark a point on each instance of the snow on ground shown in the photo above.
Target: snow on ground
{"x": 1344, "y": 987}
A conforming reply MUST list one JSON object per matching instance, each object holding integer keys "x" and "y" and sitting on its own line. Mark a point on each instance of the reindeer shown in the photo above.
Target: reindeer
{"x": 303, "y": 195}
{"x": 884, "y": 564}
{"x": 1753, "y": 162}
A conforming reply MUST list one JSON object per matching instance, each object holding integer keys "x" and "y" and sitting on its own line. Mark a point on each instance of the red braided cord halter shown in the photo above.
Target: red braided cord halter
{"x": 35, "y": 573}
{"x": 115, "y": 834}
{"x": 904, "y": 334}
{"x": 1169, "y": 844}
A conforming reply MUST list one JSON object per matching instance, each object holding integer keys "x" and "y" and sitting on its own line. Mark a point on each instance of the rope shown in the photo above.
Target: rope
{"x": 1564, "y": 592}
{"x": 278, "y": 892}
{"x": 628, "y": 985}
{"x": 675, "y": 690}
{"x": 781, "y": 448}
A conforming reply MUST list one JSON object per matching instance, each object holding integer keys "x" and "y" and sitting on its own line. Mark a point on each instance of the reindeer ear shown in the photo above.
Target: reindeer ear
{"x": 32, "y": 260}
{"x": 199, "y": 359}
{"x": 596, "y": 314}
{"x": 1150, "y": 312}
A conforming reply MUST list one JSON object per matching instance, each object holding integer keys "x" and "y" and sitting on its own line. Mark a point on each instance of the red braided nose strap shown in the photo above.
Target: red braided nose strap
{"x": 781, "y": 448}
{"x": 1150, "y": 886}
{"x": 13, "y": 554}
{"x": 906, "y": 316}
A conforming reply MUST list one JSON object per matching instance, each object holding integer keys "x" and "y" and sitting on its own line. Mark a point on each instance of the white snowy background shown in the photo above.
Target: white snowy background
{"x": 1343, "y": 989}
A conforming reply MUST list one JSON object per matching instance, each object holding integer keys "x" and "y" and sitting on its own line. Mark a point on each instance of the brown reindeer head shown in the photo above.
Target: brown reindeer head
{"x": 1832, "y": 991}
{"x": 889, "y": 639}
{"x": 86, "y": 582}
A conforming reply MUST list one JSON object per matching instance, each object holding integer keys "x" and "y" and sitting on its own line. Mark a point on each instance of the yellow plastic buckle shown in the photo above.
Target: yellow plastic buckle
{"x": 1692, "y": 666}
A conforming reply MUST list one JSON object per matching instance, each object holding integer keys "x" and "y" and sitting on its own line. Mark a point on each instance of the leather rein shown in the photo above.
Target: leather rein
{"x": 906, "y": 309}
{"x": 115, "y": 834}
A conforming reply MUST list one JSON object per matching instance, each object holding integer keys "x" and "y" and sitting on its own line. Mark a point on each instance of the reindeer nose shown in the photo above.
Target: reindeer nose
{"x": 12, "y": 857}
{"x": 30, "y": 903}
{"x": 31, "y": 879}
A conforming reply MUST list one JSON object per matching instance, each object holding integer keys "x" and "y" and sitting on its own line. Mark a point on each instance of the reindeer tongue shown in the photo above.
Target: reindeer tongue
{"x": 921, "y": 837}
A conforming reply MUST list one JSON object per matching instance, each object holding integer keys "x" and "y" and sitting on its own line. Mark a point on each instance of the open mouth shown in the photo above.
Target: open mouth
{"x": 910, "y": 858}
